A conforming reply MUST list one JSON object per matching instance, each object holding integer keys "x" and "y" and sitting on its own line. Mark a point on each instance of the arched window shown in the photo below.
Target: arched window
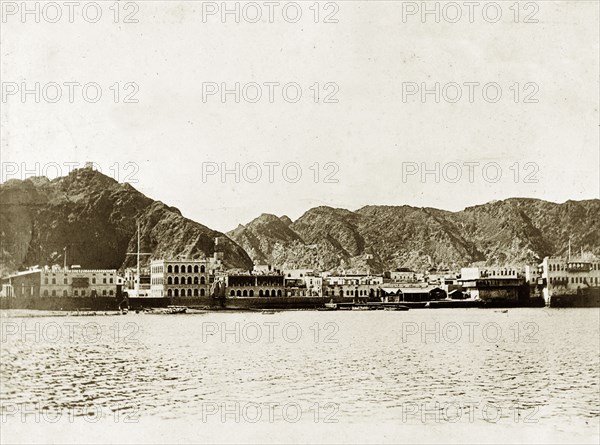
{"x": 104, "y": 292}
{"x": 245, "y": 293}
{"x": 176, "y": 269}
{"x": 189, "y": 280}
{"x": 260, "y": 293}
{"x": 279, "y": 293}
{"x": 169, "y": 292}
{"x": 251, "y": 293}
{"x": 65, "y": 293}
{"x": 239, "y": 293}
{"x": 267, "y": 293}
{"x": 53, "y": 280}
{"x": 189, "y": 292}
{"x": 45, "y": 280}
{"x": 202, "y": 280}
{"x": 176, "y": 292}
{"x": 202, "y": 269}
{"x": 176, "y": 280}
{"x": 190, "y": 268}
{"x": 196, "y": 268}
{"x": 169, "y": 269}
{"x": 169, "y": 280}
{"x": 195, "y": 280}
{"x": 195, "y": 292}
{"x": 54, "y": 293}
{"x": 232, "y": 293}
{"x": 202, "y": 293}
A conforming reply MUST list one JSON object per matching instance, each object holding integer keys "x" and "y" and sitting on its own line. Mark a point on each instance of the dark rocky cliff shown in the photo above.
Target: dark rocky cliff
{"x": 95, "y": 217}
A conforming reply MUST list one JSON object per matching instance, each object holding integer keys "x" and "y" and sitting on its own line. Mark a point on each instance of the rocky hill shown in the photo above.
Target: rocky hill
{"x": 514, "y": 231}
{"x": 95, "y": 218}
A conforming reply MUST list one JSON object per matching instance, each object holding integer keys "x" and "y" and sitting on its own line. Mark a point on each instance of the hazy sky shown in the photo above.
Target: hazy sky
{"x": 544, "y": 126}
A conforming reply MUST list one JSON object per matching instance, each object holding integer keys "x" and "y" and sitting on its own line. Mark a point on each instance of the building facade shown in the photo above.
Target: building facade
{"x": 180, "y": 278}
{"x": 564, "y": 276}
{"x": 255, "y": 286}
{"x": 352, "y": 286}
{"x": 55, "y": 281}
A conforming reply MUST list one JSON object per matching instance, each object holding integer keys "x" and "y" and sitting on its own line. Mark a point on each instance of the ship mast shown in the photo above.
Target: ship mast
{"x": 138, "y": 254}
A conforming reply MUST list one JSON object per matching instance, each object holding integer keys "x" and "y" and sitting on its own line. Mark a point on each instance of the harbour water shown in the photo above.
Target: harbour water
{"x": 297, "y": 376}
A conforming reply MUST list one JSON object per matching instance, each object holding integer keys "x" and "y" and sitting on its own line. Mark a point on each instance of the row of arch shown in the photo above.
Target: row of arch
{"x": 350, "y": 293}
{"x": 175, "y": 269}
{"x": 250, "y": 293}
{"x": 183, "y": 280}
{"x": 65, "y": 293}
{"x": 184, "y": 292}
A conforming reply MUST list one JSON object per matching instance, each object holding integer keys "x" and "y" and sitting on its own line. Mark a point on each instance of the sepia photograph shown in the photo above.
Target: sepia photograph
{"x": 299, "y": 222}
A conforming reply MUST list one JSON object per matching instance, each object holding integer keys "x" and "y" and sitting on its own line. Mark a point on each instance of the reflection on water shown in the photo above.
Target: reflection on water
{"x": 415, "y": 367}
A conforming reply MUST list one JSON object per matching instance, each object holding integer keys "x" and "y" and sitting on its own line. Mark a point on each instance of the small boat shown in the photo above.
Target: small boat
{"x": 331, "y": 306}
{"x": 169, "y": 310}
{"x": 124, "y": 311}
{"x": 176, "y": 310}
{"x": 361, "y": 308}
{"x": 268, "y": 312}
{"x": 396, "y": 308}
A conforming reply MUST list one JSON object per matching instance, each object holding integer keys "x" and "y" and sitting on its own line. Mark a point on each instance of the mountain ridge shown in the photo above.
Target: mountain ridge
{"x": 378, "y": 238}
{"x": 96, "y": 218}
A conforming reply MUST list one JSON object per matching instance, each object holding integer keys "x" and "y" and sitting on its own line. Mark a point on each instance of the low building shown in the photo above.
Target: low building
{"x": 302, "y": 283}
{"x": 506, "y": 288}
{"x": 60, "y": 282}
{"x": 352, "y": 286}
{"x": 403, "y": 275}
{"x": 246, "y": 285}
{"x": 393, "y": 292}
